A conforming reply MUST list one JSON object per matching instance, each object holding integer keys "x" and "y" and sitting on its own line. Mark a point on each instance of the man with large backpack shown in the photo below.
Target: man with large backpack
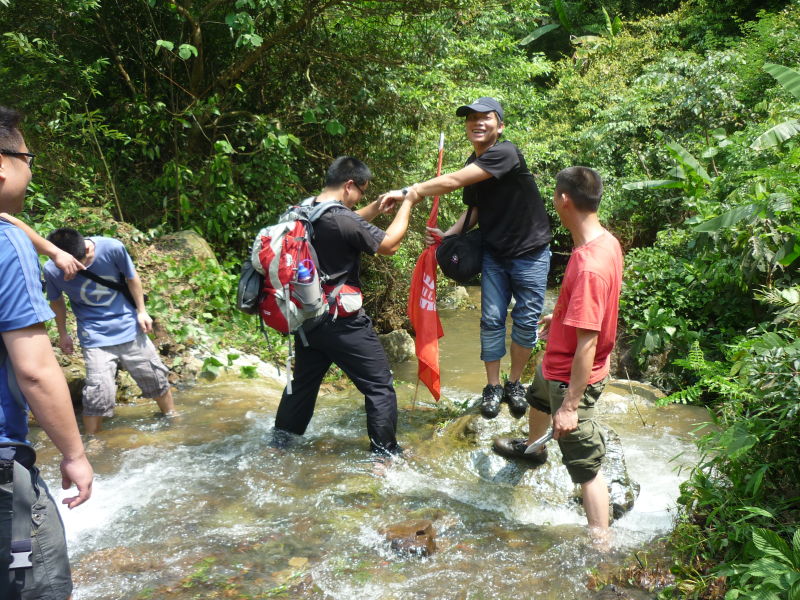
{"x": 345, "y": 336}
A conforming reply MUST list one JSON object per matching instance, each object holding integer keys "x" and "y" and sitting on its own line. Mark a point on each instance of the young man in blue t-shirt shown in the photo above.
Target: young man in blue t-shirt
{"x": 112, "y": 325}
{"x": 30, "y": 377}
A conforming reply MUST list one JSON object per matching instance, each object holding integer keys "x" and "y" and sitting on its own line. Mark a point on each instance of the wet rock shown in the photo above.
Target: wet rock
{"x": 399, "y": 345}
{"x": 412, "y": 537}
{"x": 112, "y": 562}
{"x": 550, "y": 481}
{"x": 186, "y": 244}
{"x": 458, "y": 297}
{"x": 626, "y": 396}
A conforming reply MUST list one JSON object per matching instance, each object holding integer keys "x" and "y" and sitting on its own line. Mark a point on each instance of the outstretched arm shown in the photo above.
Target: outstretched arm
{"x": 443, "y": 184}
{"x": 63, "y": 260}
{"x": 397, "y": 230}
{"x": 42, "y": 383}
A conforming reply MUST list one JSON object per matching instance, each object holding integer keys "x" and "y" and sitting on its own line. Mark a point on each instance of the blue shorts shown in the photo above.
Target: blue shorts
{"x": 524, "y": 278}
{"x": 49, "y": 578}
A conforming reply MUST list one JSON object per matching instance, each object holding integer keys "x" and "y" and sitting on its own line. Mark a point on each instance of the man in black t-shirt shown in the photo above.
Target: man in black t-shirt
{"x": 505, "y": 202}
{"x": 341, "y": 235}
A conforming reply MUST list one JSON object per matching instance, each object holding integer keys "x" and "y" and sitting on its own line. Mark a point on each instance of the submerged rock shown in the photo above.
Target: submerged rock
{"x": 549, "y": 482}
{"x": 412, "y": 537}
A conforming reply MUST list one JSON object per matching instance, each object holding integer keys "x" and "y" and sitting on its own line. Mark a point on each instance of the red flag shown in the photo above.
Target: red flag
{"x": 422, "y": 304}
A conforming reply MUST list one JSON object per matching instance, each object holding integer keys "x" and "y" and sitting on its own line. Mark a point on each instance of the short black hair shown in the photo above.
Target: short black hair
{"x": 345, "y": 168}
{"x": 70, "y": 241}
{"x": 10, "y": 135}
{"x": 583, "y": 185}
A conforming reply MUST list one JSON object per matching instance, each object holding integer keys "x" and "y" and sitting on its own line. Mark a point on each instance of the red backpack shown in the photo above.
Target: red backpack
{"x": 295, "y": 290}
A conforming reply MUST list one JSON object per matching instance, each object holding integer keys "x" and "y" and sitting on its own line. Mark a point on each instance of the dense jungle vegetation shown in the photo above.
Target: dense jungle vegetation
{"x": 212, "y": 115}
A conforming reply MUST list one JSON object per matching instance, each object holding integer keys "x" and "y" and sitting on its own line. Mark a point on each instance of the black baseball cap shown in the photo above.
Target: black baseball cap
{"x": 483, "y": 104}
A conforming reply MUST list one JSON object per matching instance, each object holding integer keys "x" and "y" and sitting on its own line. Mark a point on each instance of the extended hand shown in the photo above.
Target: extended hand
{"x": 68, "y": 264}
{"x": 433, "y": 236}
{"x": 80, "y": 473}
{"x": 389, "y": 200}
{"x": 145, "y": 322}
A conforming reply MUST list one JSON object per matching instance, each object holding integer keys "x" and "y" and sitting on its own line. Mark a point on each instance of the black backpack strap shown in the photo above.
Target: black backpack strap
{"x": 119, "y": 286}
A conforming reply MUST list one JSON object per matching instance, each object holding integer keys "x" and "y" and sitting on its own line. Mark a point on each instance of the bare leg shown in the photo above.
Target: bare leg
{"x": 492, "y": 372}
{"x": 595, "y": 502}
{"x": 91, "y": 424}
{"x": 538, "y": 423}
{"x": 519, "y": 358}
{"x": 165, "y": 403}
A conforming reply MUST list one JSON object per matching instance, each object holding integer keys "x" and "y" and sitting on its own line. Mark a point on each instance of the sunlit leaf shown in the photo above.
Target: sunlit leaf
{"x": 777, "y": 135}
{"x": 727, "y": 219}
{"x": 537, "y": 33}
{"x": 788, "y": 78}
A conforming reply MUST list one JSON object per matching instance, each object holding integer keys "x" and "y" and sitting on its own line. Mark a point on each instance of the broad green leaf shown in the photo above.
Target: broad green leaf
{"x": 727, "y": 219}
{"x": 777, "y": 135}
{"x": 686, "y": 158}
{"x": 562, "y": 15}
{"x": 771, "y": 544}
{"x": 788, "y": 78}
{"x": 757, "y": 510}
{"x": 334, "y": 127}
{"x": 164, "y": 44}
{"x": 537, "y": 33}
{"x": 609, "y": 27}
{"x": 796, "y": 541}
{"x": 186, "y": 50}
{"x": 789, "y": 252}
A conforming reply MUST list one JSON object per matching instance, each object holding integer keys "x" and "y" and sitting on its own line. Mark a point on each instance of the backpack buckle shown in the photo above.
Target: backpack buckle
{"x": 21, "y": 554}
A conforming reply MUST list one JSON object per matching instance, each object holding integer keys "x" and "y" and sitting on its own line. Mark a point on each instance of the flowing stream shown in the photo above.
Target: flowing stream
{"x": 201, "y": 508}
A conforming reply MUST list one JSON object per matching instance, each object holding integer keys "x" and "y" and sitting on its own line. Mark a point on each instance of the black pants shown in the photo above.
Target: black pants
{"x": 352, "y": 344}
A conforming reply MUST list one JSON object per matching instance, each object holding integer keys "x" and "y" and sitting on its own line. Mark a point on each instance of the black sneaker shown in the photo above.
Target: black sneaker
{"x": 514, "y": 394}
{"x": 515, "y": 448}
{"x": 490, "y": 403}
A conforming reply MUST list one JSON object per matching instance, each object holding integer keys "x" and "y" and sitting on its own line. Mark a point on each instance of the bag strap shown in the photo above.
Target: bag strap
{"x": 114, "y": 285}
{"x": 466, "y": 220}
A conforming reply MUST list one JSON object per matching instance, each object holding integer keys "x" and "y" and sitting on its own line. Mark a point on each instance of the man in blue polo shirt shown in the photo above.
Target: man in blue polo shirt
{"x": 113, "y": 323}
{"x": 33, "y": 550}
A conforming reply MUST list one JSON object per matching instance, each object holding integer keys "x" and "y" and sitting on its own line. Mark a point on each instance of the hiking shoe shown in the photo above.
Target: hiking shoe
{"x": 514, "y": 394}
{"x": 515, "y": 448}
{"x": 490, "y": 402}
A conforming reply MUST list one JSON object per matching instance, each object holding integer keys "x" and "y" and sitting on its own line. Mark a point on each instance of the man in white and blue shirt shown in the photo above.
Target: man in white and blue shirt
{"x": 113, "y": 323}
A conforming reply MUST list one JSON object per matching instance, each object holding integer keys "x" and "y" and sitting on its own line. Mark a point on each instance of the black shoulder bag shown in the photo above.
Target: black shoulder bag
{"x": 460, "y": 255}
{"x": 120, "y": 286}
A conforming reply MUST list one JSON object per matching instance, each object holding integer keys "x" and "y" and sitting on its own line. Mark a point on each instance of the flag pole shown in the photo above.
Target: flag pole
{"x": 432, "y": 221}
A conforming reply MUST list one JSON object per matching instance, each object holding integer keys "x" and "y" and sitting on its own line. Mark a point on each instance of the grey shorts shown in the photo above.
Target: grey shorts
{"x": 49, "y": 578}
{"x": 138, "y": 357}
{"x": 583, "y": 449}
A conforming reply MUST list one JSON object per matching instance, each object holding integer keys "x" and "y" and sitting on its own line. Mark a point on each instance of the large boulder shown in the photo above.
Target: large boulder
{"x": 399, "y": 346}
{"x": 186, "y": 244}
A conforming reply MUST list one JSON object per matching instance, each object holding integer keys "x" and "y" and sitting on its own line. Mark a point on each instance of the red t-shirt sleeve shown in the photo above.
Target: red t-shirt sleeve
{"x": 587, "y": 303}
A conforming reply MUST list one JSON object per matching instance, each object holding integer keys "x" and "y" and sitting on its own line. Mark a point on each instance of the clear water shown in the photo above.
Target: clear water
{"x": 201, "y": 508}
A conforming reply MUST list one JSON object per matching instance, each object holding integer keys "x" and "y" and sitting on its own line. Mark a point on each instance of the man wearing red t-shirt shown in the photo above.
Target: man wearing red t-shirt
{"x": 580, "y": 336}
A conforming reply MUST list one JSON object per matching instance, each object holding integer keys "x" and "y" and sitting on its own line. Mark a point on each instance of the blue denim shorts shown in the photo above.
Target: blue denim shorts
{"x": 50, "y": 577}
{"x": 524, "y": 278}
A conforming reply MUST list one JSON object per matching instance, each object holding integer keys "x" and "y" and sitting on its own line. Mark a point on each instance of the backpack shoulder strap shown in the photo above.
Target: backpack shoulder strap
{"x": 322, "y": 207}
